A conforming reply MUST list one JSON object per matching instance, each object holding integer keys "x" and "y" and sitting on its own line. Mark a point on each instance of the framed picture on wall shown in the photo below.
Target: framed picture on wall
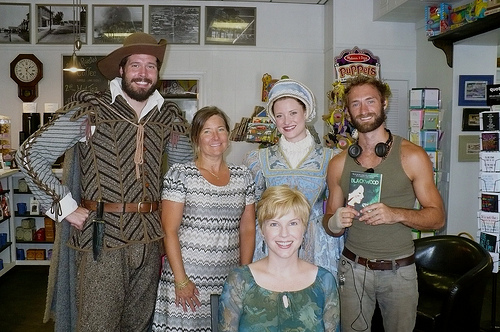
{"x": 230, "y": 25}
{"x": 58, "y": 24}
{"x": 112, "y": 24}
{"x": 470, "y": 118}
{"x": 176, "y": 24}
{"x": 468, "y": 148}
{"x": 472, "y": 89}
{"x": 15, "y": 24}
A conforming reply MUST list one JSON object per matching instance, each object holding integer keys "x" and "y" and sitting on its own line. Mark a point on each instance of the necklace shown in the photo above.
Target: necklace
{"x": 214, "y": 175}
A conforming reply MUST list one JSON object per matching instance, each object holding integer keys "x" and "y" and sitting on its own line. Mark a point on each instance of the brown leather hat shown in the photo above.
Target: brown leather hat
{"x": 136, "y": 43}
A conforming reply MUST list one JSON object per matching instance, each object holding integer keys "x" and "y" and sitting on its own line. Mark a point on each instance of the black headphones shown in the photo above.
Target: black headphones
{"x": 381, "y": 149}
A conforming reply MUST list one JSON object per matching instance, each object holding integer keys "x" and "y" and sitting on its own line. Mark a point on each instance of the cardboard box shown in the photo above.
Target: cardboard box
{"x": 50, "y": 235}
{"x": 31, "y": 254}
{"x": 40, "y": 254}
{"x": 49, "y": 224}
{"x": 28, "y": 222}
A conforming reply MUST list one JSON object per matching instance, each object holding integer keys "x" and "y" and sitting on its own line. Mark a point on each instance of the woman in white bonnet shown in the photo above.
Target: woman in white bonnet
{"x": 296, "y": 160}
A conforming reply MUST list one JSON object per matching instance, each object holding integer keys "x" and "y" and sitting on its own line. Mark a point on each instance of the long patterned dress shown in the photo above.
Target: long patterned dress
{"x": 209, "y": 240}
{"x": 271, "y": 168}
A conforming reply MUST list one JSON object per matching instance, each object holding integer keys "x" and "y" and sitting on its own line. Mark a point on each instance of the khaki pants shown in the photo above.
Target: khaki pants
{"x": 118, "y": 292}
{"x": 396, "y": 292}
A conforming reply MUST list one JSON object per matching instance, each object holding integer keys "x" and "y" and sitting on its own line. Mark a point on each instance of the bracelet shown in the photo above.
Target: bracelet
{"x": 182, "y": 284}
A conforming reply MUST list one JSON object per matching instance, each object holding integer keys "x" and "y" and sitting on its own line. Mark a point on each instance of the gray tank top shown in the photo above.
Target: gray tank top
{"x": 383, "y": 241}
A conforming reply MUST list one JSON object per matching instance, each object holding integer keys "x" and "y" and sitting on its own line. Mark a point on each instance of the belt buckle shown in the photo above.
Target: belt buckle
{"x": 140, "y": 204}
{"x": 370, "y": 262}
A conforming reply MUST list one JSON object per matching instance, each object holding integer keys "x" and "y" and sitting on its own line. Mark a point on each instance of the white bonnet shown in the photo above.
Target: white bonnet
{"x": 291, "y": 88}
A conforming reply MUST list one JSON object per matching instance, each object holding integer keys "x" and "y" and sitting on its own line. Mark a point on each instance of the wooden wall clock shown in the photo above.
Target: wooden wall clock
{"x": 26, "y": 70}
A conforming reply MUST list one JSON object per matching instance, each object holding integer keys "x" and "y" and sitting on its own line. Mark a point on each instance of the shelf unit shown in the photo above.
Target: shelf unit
{"x": 7, "y": 251}
{"x": 8, "y": 224}
{"x": 446, "y": 40}
{"x": 24, "y": 197}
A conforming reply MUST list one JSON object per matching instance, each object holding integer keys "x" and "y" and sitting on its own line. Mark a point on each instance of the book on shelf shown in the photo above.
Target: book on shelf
{"x": 364, "y": 189}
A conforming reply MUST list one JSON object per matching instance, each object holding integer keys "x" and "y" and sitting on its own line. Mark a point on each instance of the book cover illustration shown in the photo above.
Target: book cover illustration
{"x": 364, "y": 189}
{"x": 489, "y": 141}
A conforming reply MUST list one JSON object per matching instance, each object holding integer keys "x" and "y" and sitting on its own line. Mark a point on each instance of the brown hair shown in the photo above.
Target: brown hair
{"x": 383, "y": 88}
{"x": 200, "y": 118}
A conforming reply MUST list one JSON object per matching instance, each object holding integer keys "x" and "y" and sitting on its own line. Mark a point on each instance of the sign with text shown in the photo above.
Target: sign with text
{"x": 355, "y": 62}
{"x": 91, "y": 79}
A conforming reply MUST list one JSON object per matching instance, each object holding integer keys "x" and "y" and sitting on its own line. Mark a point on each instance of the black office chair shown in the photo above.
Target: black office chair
{"x": 452, "y": 275}
{"x": 214, "y": 312}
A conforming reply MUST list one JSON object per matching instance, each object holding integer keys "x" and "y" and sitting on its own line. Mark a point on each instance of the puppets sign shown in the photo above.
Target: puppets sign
{"x": 355, "y": 62}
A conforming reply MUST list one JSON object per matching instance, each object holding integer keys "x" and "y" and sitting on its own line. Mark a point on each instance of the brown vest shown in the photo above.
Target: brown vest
{"x": 108, "y": 169}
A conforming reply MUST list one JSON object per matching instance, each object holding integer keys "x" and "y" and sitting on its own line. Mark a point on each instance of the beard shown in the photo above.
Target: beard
{"x": 368, "y": 127}
{"x": 137, "y": 94}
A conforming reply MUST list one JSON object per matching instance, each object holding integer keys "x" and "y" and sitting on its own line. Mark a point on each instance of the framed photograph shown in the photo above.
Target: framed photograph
{"x": 472, "y": 89}
{"x": 176, "y": 24}
{"x": 15, "y": 22}
{"x": 468, "y": 148}
{"x": 183, "y": 92}
{"x": 470, "y": 118}
{"x": 112, "y": 24}
{"x": 58, "y": 25}
{"x": 230, "y": 25}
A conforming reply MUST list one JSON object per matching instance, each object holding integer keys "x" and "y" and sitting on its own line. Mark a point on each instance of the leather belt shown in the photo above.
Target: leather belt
{"x": 141, "y": 207}
{"x": 379, "y": 264}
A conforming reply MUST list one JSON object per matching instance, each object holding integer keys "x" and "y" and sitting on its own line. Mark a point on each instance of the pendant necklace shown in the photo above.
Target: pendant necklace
{"x": 216, "y": 176}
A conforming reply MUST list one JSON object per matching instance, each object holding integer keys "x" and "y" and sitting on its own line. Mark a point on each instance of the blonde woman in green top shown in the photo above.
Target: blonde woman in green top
{"x": 280, "y": 292}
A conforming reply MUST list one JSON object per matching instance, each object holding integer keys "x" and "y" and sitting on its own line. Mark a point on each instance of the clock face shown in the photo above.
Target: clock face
{"x": 26, "y": 70}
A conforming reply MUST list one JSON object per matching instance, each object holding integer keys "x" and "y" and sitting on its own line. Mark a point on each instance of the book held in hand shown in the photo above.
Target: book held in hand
{"x": 364, "y": 189}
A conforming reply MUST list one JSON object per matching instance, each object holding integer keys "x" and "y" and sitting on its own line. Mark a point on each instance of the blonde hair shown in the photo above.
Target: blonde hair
{"x": 277, "y": 201}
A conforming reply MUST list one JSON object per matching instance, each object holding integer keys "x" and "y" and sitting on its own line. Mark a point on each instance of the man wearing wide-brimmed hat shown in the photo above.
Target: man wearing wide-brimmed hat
{"x": 105, "y": 278}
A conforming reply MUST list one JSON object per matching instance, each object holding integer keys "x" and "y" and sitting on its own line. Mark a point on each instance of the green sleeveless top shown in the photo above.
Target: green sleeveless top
{"x": 383, "y": 241}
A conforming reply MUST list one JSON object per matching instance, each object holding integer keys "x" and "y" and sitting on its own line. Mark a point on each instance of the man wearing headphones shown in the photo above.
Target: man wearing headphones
{"x": 377, "y": 263}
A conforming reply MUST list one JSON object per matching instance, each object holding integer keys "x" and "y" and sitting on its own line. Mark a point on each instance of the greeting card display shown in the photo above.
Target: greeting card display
{"x": 489, "y": 141}
{"x": 489, "y": 181}
{"x": 489, "y": 120}
{"x": 488, "y": 222}
{"x": 489, "y": 161}
{"x": 489, "y": 202}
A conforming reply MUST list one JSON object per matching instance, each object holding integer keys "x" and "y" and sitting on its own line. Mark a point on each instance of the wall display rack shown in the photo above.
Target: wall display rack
{"x": 425, "y": 131}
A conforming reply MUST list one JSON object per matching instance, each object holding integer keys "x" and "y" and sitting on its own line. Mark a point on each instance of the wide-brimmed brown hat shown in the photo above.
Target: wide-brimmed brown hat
{"x": 136, "y": 43}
